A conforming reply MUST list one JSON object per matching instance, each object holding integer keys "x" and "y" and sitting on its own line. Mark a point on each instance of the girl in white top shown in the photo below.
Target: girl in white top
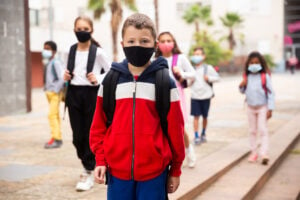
{"x": 84, "y": 80}
{"x": 183, "y": 72}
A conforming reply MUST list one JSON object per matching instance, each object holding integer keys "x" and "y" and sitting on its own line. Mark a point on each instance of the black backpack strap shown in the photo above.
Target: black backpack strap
{"x": 109, "y": 94}
{"x": 91, "y": 58}
{"x": 71, "y": 58}
{"x": 162, "y": 97}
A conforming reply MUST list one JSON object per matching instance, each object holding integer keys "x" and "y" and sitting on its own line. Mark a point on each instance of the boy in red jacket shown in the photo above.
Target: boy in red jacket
{"x": 133, "y": 149}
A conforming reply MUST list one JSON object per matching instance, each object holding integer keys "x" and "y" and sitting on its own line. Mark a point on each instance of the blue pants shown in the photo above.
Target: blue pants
{"x": 153, "y": 189}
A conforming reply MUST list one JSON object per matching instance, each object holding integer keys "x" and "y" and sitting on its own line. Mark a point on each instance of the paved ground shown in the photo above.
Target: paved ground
{"x": 27, "y": 171}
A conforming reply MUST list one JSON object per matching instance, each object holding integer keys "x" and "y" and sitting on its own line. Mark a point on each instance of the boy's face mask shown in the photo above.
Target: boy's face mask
{"x": 254, "y": 68}
{"x": 46, "y": 54}
{"x": 137, "y": 55}
{"x": 196, "y": 59}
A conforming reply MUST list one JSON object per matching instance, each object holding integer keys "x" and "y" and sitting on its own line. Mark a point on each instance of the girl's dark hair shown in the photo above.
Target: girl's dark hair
{"x": 90, "y": 22}
{"x": 175, "y": 50}
{"x": 256, "y": 54}
{"x": 51, "y": 44}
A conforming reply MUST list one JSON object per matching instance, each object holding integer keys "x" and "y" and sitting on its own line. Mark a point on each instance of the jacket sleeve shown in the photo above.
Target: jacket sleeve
{"x": 98, "y": 130}
{"x": 59, "y": 68}
{"x": 176, "y": 131}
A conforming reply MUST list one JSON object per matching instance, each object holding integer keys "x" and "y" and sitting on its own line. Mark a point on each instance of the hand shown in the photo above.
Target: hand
{"x": 206, "y": 78}
{"x": 172, "y": 184}
{"x": 67, "y": 75}
{"x": 269, "y": 114}
{"x": 92, "y": 78}
{"x": 99, "y": 174}
{"x": 243, "y": 83}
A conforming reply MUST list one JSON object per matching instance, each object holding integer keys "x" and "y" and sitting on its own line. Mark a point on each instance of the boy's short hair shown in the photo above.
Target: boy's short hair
{"x": 199, "y": 48}
{"x": 51, "y": 44}
{"x": 139, "y": 21}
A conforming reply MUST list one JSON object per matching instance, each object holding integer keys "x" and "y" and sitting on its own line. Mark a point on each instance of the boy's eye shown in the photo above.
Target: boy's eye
{"x": 82, "y": 29}
{"x": 144, "y": 41}
{"x": 130, "y": 41}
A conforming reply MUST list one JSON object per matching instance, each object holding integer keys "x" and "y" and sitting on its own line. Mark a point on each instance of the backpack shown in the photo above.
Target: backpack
{"x": 71, "y": 65}
{"x": 263, "y": 82}
{"x": 209, "y": 83}
{"x": 90, "y": 62}
{"x": 162, "y": 96}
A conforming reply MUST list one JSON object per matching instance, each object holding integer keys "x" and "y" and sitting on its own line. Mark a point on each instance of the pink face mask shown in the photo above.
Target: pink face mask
{"x": 166, "y": 47}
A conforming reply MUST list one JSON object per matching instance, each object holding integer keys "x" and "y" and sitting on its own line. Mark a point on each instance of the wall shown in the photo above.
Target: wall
{"x": 13, "y": 82}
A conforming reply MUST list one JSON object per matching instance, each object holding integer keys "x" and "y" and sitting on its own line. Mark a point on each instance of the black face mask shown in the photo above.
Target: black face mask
{"x": 83, "y": 36}
{"x": 137, "y": 55}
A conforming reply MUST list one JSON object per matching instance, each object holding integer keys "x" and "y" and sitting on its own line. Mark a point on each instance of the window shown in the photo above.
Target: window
{"x": 34, "y": 17}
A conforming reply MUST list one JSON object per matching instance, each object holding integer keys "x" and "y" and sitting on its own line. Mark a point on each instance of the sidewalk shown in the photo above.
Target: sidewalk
{"x": 28, "y": 171}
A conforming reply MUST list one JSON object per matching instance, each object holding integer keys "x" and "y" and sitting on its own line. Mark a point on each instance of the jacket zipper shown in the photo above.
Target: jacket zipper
{"x": 133, "y": 117}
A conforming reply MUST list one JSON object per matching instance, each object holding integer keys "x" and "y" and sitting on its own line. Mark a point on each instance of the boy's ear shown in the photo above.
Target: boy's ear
{"x": 156, "y": 44}
{"x": 122, "y": 43}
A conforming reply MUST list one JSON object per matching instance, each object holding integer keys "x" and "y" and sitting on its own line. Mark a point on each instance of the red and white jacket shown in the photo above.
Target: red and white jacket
{"x": 134, "y": 147}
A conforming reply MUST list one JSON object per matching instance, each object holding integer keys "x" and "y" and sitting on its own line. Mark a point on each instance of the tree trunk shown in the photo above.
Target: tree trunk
{"x": 197, "y": 27}
{"x": 156, "y": 15}
{"x": 116, "y": 17}
{"x": 231, "y": 39}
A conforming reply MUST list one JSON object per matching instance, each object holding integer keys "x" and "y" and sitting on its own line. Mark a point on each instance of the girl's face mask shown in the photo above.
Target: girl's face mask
{"x": 166, "y": 47}
{"x": 254, "y": 68}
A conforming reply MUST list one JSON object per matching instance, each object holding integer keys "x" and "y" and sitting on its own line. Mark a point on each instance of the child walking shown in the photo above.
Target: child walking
{"x": 201, "y": 92}
{"x": 53, "y": 80}
{"x": 183, "y": 72}
{"x": 257, "y": 87}
{"x": 85, "y": 62}
{"x": 134, "y": 149}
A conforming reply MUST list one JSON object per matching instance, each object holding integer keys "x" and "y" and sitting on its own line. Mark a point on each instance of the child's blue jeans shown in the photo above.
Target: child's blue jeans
{"x": 154, "y": 189}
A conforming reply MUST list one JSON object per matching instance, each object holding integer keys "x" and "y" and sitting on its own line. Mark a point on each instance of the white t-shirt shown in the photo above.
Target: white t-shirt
{"x": 80, "y": 68}
{"x": 200, "y": 89}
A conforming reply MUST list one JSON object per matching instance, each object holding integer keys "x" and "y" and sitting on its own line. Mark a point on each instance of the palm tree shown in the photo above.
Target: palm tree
{"x": 198, "y": 14}
{"x": 231, "y": 20}
{"x": 98, "y": 7}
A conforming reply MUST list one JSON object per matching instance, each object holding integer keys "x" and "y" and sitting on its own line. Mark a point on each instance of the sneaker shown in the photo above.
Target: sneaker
{"x": 191, "y": 157}
{"x": 53, "y": 144}
{"x": 197, "y": 140}
{"x": 203, "y": 139}
{"x": 253, "y": 157}
{"x": 86, "y": 181}
{"x": 265, "y": 160}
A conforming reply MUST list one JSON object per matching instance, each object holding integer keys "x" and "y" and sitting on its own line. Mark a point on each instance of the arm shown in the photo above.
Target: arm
{"x": 271, "y": 96}
{"x": 176, "y": 142}
{"x": 212, "y": 75}
{"x": 98, "y": 130}
{"x": 104, "y": 63}
{"x": 59, "y": 69}
{"x": 187, "y": 70}
{"x": 176, "y": 131}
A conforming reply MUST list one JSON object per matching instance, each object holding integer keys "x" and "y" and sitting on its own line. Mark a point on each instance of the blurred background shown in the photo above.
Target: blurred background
{"x": 228, "y": 30}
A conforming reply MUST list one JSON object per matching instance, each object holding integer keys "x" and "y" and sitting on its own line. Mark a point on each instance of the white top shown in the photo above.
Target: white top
{"x": 200, "y": 89}
{"x": 80, "y": 68}
{"x": 186, "y": 69}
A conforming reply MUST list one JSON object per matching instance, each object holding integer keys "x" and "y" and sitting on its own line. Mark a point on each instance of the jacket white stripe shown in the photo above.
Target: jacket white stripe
{"x": 143, "y": 91}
